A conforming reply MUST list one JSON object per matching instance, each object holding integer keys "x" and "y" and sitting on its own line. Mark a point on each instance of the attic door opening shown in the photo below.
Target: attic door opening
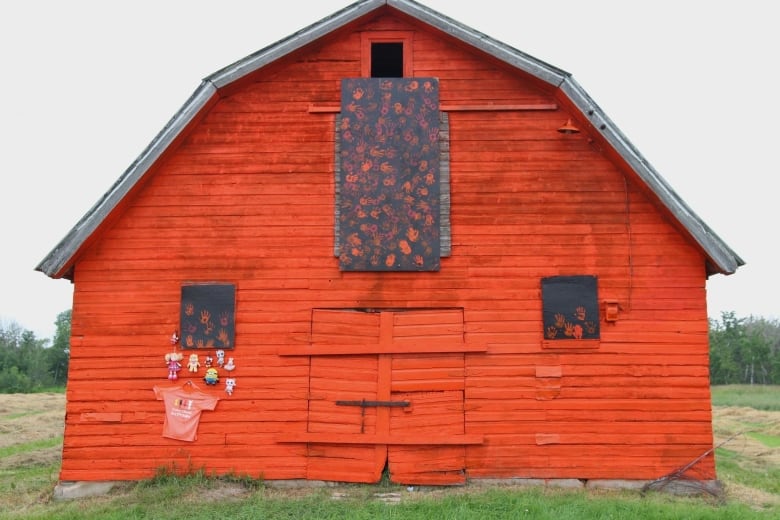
{"x": 387, "y": 60}
{"x": 386, "y": 54}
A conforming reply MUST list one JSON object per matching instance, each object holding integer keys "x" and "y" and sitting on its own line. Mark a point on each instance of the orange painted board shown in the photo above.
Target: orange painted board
{"x": 394, "y": 439}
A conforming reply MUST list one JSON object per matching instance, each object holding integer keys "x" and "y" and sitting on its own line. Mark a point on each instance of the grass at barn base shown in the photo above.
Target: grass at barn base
{"x": 746, "y": 423}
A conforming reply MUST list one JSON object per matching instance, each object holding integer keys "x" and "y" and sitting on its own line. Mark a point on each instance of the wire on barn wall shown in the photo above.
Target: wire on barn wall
{"x": 630, "y": 245}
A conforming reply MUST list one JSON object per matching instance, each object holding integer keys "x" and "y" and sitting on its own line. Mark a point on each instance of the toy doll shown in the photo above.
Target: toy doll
{"x": 174, "y": 366}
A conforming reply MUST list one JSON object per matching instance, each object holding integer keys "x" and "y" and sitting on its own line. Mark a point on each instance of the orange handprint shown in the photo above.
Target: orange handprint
{"x": 578, "y": 331}
{"x": 568, "y": 329}
{"x": 223, "y": 337}
{"x": 559, "y": 320}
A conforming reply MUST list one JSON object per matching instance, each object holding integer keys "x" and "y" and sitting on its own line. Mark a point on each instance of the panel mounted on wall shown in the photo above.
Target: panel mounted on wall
{"x": 389, "y": 183}
{"x": 570, "y": 308}
{"x": 445, "y": 228}
{"x": 207, "y": 316}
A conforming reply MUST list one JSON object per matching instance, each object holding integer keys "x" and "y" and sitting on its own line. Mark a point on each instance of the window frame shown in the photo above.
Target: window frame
{"x": 403, "y": 37}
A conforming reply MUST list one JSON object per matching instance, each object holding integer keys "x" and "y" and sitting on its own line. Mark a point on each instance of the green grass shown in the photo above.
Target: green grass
{"x": 13, "y": 416}
{"x": 732, "y": 467}
{"x": 760, "y": 397}
{"x": 30, "y": 446}
{"x": 770, "y": 441}
{"x": 501, "y": 503}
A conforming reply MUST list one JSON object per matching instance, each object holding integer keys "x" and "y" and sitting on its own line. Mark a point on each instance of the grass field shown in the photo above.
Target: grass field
{"x": 746, "y": 421}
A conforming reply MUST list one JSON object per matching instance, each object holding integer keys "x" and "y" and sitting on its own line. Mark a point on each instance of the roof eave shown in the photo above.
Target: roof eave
{"x": 723, "y": 259}
{"x": 506, "y": 53}
{"x": 58, "y": 262}
{"x": 295, "y": 41}
{"x": 349, "y": 14}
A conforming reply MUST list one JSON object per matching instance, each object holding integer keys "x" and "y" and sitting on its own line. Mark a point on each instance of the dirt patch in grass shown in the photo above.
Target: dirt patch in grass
{"x": 31, "y": 427}
{"x": 26, "y": 418}
{"x": 733, "y": 424}
{"x": 745, "y": 456}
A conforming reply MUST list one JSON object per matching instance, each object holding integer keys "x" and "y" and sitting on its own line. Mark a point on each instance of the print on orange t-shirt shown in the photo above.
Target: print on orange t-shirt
{"x": 183, "y": 405}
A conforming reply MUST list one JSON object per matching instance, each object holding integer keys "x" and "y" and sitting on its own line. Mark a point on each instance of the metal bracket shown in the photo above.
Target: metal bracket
{"x": 363, "y": 404}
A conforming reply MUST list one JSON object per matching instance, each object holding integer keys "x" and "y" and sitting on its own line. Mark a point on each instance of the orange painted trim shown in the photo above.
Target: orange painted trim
{"x": 351, "y": 350}
{"x": 367, "y": 38}
{"x": 394, "y": 439}
{"x": 573, "y": 344}
{"x": 91, "y": 417}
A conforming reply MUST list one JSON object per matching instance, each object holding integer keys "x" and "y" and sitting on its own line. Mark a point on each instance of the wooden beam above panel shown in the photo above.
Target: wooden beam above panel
{"x": 334, "y": 109}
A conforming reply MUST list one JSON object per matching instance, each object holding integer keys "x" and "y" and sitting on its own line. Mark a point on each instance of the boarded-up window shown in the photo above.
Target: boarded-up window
{"x": 208, "y": 316}
{"x": 389, "y": 179}
{"x": 570, "y": 307}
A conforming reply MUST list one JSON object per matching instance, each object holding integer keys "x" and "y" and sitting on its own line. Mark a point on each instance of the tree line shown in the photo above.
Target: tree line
{"x": 29, "y": 364}
{"x": 742, "y": 351}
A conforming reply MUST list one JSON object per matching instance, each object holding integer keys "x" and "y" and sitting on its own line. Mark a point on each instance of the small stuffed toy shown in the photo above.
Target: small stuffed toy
{"x": 220, "y": 358}
{"x": 194, "y": 364}
{"x": 211, "y": 377}
{"x": 208, "y": 361}
{"x": 174, "y": 366}
{"x": 230, "y": 384}
{"x": 230, "y": 365}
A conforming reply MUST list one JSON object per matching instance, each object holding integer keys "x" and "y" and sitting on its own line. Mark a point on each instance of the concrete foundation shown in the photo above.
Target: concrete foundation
{"x": 68, "y": 490}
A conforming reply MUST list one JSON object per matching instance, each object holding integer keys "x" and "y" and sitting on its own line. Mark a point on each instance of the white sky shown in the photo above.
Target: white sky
{"x": 86, "y": 85}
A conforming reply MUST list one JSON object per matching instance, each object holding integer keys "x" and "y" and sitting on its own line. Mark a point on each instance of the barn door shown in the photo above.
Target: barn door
{"x": 386, "y": 391}
{"x": 431, "y": 414}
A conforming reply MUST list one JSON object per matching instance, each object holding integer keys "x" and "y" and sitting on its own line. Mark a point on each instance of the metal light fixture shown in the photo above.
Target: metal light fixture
{"x": 569, "y": 128}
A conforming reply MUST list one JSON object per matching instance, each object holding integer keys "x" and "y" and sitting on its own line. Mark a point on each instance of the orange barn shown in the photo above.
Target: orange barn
{"x": 402, "y": 247}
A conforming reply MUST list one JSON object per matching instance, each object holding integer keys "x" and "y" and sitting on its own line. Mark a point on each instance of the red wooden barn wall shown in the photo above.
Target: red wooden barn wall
{"x": 247, "y": 198}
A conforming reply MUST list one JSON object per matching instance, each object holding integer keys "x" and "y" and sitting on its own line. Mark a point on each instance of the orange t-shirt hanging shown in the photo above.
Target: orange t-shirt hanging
{"x": 183, "y": 406}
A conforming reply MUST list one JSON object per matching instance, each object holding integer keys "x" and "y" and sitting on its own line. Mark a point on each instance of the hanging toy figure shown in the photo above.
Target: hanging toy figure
{"x": 220, "y": 358}
{"x": 230, "y": 365}
{"x": 230, "y": 384}
{"x": 174, "y": 366}
{"x": 173, "y": 358}
{"x": 211, "y": 377}
{"x": 194, "y": 364}
{"x": 208, "y": 361}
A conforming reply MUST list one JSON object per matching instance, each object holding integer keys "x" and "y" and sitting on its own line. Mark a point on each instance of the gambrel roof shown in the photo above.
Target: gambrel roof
{"x": 720, "y": 257}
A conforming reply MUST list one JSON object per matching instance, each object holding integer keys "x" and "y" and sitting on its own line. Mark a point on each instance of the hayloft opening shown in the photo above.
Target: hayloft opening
{"x": 386, "y": 54}
{"x": 387, "y": 60}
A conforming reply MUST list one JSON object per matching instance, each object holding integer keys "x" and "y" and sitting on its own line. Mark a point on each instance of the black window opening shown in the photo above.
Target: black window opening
{"x": 207, "y": 316}
{"x": 570, "y": 307}
{"x": 387, "y": 60}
